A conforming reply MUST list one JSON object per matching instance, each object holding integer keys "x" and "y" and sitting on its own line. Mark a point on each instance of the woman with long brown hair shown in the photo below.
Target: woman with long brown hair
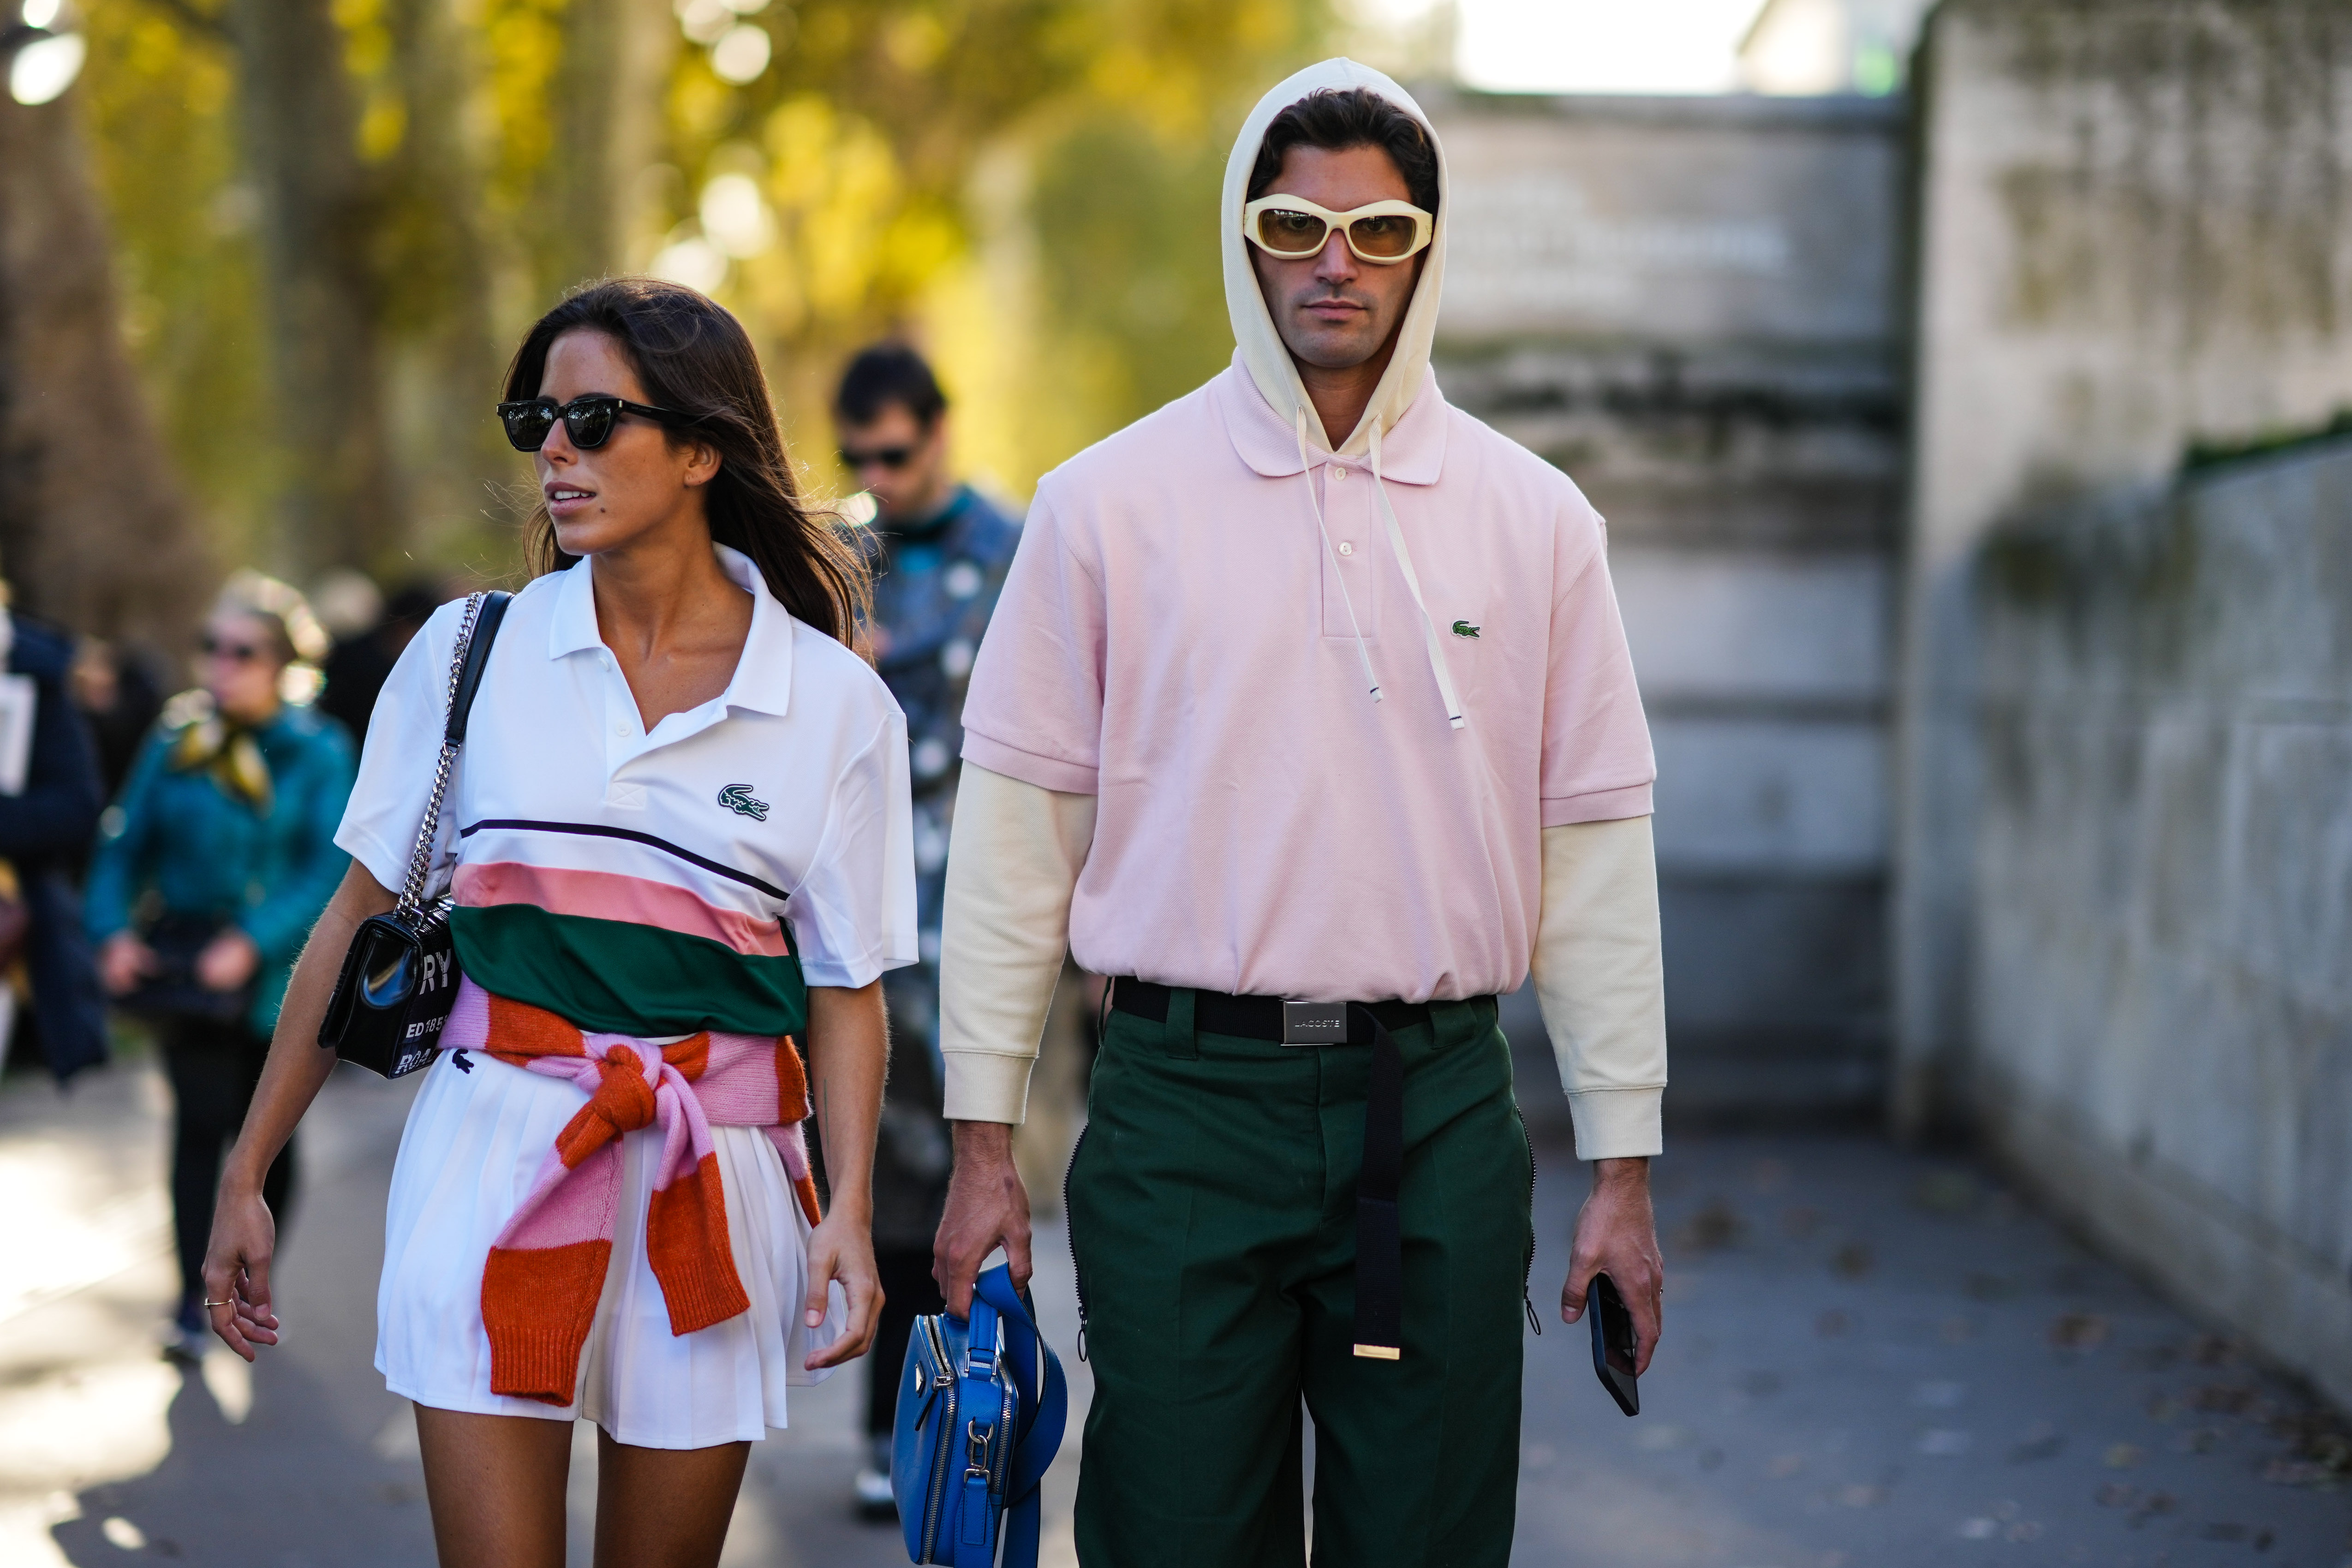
{"x": 678, "y": 839}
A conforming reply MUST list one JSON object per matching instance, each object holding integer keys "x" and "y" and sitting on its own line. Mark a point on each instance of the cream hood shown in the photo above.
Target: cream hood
{"x": 1262, "y": 350}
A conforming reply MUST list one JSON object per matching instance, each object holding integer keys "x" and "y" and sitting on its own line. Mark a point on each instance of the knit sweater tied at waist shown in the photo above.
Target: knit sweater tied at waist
{"x": 546, "y": 1267}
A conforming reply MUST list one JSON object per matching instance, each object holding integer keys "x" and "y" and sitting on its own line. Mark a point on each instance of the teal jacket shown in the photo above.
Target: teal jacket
{"x": 201, "y": 851}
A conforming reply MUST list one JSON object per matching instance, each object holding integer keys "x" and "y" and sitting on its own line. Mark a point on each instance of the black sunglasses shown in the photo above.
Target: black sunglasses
{"x": 588, "y": 420}
{"x": 235, "y": 653}
{"x": 887, "y": 456}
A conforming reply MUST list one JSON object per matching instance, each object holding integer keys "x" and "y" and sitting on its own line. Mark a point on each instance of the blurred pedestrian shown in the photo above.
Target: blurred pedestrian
{"x": 1308, "y": 716}
{"x": 209, "y": 871}
{"x": 363, "y": 656}
{"x": 677, "y": 838}
{"x": 120, "y": 695}
{"x": 49, "y": 802}
{"x": 940, "y": 554}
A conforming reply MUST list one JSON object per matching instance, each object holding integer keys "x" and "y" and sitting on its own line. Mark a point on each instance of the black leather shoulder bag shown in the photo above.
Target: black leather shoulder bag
{"x": 400, "y": 975}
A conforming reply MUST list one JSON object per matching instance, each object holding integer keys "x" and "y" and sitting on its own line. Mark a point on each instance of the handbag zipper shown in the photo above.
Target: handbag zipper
{"x": 1001, "y": 1471}
{"x": 1069, "y": 1225}
{"x": 942, "y": 1378}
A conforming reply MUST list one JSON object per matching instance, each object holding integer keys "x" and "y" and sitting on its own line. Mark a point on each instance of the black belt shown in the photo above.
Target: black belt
{"x": 1379, "y": 1243}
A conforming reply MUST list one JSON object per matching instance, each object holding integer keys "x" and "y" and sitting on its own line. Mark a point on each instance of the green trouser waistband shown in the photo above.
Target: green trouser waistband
{"x": 1213, "y": 1214}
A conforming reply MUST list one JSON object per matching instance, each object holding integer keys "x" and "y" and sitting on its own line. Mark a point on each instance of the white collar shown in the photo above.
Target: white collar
{"x": 762, "y": 682}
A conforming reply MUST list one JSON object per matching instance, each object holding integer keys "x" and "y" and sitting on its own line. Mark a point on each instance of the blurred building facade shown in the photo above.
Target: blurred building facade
{"x": 2124, "y": 890}
{"x": 1693, "y": 305}
{"x": 1989, "y": 611}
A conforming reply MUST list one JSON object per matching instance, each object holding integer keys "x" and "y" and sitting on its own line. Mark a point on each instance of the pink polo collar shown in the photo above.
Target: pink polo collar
{"x": 1413, "y": 452}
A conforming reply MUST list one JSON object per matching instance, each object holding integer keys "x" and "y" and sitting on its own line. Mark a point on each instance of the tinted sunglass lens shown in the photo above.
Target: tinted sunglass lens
{"x": 1287, "y": 233}
{"x": 527, "y": 425}
{"x": 590, "y": 424}
{"x": 1388, "y": 235}
{"x": 883, "y": 457}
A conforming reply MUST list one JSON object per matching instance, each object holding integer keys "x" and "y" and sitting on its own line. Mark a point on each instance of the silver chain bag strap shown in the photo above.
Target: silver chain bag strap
{"x": 399, "y": 978}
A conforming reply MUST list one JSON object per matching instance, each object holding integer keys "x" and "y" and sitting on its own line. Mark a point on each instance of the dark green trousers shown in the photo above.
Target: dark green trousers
{"x": 1213, "y": 1214}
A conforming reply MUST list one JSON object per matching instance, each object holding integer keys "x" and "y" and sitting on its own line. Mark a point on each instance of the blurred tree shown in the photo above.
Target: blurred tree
{"x": 318, "y": 213}
{"x": 93, "y": 529}
{"x": 335, "y": 215}
{"x": 1029, "y": 185}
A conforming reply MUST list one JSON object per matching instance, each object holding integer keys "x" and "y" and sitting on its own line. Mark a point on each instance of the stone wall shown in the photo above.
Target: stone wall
{"x": 2134, "y": 233}
{"x": 2162, "y": 905}
{"x": 1692, "y": 306}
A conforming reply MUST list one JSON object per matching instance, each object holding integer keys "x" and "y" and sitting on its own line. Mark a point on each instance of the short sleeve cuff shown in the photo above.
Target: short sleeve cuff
{"x": 987, "y": 1086}
{"x": 1046, "y": 772}
{"x": 848, "y": 975}
{"x": 388, "y": 866}
{"x": 1617, "y": 1123}
{"x": 1600, "y": 806}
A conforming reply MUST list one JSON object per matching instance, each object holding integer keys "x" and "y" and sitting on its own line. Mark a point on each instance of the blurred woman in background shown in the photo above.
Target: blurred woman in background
{"x": 210, "y": 871}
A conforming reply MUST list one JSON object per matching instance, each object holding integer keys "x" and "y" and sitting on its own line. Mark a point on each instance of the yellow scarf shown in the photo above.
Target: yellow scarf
{"x": 209, "y": 739}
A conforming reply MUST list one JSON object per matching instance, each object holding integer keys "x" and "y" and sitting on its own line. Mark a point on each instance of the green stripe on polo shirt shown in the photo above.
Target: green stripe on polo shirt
{"x": 621, "y": 977}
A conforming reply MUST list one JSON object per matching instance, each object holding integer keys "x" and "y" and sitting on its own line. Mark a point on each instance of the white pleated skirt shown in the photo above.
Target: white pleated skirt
{"x": 472, "y": 1147}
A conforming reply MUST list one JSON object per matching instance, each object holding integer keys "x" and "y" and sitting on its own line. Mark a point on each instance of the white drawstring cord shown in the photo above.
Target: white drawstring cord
{"x": 1412, "y": 580}
{"x": 1306, "y": 472}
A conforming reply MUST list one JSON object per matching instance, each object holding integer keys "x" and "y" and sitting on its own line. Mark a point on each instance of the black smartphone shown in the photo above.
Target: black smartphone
{"x": 1613, "y": 1345}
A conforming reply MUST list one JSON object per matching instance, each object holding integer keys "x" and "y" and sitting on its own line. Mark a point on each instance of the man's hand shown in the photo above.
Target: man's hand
{"x": 1616, "y": 1235}
{"x": 987, "y": 1208}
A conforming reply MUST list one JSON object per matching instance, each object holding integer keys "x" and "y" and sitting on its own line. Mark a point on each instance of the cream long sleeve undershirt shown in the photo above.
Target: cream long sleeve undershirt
{"x": 1014, "y": 860}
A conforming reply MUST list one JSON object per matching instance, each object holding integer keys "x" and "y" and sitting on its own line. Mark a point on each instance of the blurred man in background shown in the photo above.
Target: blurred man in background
{"x": 118, "y": 692}
{"x": 366, "y": 647}
{"x": 941, "y": 550}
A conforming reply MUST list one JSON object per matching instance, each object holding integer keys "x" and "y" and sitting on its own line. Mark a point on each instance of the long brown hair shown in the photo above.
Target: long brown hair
{"x": 694, "y": 358}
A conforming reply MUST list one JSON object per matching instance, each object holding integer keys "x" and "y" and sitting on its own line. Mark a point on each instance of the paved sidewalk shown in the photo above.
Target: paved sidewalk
{"x": 1874, "y": 1361}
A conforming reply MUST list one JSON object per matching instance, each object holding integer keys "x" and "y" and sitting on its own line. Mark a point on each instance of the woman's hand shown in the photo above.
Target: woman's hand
{"x": 842, "y": 1248}
{"x": 848, "y": 1049}
{"x": 237, "y": 1264}
{"x": 227, "y": 961}
{"x": 236, "y": 1271}
{"x": 123, "y": 961}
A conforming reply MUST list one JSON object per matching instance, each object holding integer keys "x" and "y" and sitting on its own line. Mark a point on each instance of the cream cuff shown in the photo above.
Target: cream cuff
{"x": 1013, "y": 858}
{"x": 1601, "y": 982}
{"x": 1617, "y": 1123}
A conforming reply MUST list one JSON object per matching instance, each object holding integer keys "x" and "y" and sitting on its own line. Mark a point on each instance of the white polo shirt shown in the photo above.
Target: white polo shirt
{"x": 651, "y": 882}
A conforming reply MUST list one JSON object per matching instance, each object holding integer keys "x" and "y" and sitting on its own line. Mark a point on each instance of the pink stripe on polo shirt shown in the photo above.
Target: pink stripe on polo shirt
{"x": 1171, "y": 638}
{"x": 610, "y": 896}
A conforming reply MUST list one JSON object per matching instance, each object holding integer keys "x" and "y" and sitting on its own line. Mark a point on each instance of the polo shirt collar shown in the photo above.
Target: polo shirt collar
{"x": 1413, "y": 452}
{"x": 762, "y": 682}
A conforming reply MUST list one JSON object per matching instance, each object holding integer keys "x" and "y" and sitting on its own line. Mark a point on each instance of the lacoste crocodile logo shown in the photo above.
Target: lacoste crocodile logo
{"x": 736, "y": 797}
{"x": 1464, "y": 628}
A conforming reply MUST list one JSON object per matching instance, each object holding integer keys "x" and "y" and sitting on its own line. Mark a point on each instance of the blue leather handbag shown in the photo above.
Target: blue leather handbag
{"x": 980, "y": 1410}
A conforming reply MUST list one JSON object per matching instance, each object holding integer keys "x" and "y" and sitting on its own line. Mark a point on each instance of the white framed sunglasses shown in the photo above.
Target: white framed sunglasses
{"x": 1294, "y": 229}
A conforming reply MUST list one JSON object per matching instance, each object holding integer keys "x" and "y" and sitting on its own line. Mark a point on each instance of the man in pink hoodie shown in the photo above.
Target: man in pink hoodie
{"x": 1306, "y": 715}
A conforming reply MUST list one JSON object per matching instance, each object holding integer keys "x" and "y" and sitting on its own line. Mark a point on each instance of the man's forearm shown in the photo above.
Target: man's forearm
{"x": 1012, "y": 866}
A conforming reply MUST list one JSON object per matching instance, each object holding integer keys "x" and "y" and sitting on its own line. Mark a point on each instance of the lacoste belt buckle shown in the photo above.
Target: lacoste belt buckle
{"x": 1314, "y": 1023}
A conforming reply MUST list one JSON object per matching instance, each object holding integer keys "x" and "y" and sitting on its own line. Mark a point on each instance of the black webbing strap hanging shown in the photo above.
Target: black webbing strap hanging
{"x": 1380, "y": 1243}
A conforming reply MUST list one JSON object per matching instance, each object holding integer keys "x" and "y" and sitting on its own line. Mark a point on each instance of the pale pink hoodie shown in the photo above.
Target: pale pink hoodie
{"x": 1184, "y": 638}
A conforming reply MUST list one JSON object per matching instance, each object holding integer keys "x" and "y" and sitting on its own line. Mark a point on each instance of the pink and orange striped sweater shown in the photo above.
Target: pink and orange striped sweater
{"x": 547, "y": 1267}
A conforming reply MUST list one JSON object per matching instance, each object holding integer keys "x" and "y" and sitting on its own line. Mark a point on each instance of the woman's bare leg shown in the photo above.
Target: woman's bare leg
{"x": 664, "y": 1507}
{"x": 496, "y": 1487}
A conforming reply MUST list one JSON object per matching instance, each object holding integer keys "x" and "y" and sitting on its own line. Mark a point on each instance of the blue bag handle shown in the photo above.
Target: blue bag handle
{"x": 1044, "y": 1401}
